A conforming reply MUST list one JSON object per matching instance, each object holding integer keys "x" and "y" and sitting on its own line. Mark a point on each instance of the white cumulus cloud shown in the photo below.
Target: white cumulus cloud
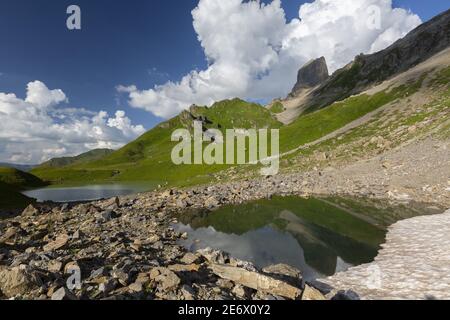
{"x": 254, "y": 53}
{"x": 39, "y": 95}
{"x": 34, "y": 129}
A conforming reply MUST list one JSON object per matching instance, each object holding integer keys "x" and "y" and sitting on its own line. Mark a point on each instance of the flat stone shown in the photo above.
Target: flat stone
{"x": 63, "y": 294}
{"x": 59, "y": 243}
{"x": 283, "y": 270}
{"x": 184, "y": 267}
{"x": 65, "y": 208}
{"x": 240, "y": 292}
{"x": 189, "y": 258}
{"x": 256, "y": 281}
{"x": 136, "y": 287}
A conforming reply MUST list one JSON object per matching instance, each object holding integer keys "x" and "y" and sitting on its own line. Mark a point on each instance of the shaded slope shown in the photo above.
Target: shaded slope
{"x": 19, "y": 179}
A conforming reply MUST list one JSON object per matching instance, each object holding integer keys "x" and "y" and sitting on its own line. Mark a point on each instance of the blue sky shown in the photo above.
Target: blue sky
{"x": 139, "y": 41}
{"x": 144, "y": 43}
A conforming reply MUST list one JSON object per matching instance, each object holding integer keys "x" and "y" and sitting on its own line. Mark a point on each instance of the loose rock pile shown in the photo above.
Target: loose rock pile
{"x": 119, "y": 250}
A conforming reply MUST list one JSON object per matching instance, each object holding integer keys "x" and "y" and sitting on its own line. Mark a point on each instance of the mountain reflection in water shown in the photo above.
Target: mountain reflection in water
{"x": 318, "y": 236}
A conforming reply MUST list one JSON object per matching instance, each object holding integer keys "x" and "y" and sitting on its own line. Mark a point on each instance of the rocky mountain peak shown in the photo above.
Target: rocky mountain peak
{"x": 313, "y": 73}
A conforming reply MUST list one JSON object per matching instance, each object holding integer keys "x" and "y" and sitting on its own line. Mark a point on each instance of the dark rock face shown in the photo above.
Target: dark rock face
{"x": 311, "y": 74}
{"x": 365, "y": 71}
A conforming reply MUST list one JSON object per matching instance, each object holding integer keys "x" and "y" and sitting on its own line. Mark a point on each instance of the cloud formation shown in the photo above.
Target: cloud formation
{"x": 34, "y": 129}
{"x": 254, "y": 53}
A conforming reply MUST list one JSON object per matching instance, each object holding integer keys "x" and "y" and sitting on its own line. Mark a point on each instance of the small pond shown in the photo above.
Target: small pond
{"x": 319, "y": 236}
{"x": 86, "y": 193}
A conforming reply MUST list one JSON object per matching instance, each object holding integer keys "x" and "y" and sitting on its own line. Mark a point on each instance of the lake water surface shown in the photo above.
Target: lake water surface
{"x": 318, "y": 236}
{"x": 86, "y": 193}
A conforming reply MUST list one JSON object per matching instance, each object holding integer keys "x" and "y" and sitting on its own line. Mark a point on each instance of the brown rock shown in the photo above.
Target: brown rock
{"x": 256, "y": 281}
{"x": 189, "y": 258}
{"x": 63, "y": 294}
{"x": 283, "y": 270}
{"x": 112, "y": 203}
{"x": 60, "y": 242}
{"x": 10, "y": 232}
{"x": 167, "y": 279}
{"x": 54, "y": 266}
{"x": 30, "y": 211}
{"x": 184, "y": 267}
{"x": 136, "y": 287}
{"x": 312, "y": 294}
{"x": 18, "y": 281}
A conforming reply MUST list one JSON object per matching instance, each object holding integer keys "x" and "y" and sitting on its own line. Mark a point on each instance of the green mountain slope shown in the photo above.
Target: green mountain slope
{"x": 148, "y": 158}
{"x": 80, "y": 159}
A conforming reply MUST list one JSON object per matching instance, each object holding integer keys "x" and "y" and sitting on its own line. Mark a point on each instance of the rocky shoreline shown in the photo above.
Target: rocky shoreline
{"x": 120, "y": 251}
{"x": 125, "y": 248}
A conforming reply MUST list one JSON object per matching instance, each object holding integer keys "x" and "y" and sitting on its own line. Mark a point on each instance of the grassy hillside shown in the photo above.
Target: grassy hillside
{"x": 148, "y": 158}
{"x": 21, "y": 167}
{"x": 80, "y": 159}
{"x": 312, "y": 126}
{"x": 277, "y": 107}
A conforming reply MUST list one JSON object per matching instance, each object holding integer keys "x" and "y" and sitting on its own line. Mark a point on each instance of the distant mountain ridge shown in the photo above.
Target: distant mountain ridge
{"x": 19, "y": 179}
{"x": 79, "y": 159}
{"x": 22, "y": 167}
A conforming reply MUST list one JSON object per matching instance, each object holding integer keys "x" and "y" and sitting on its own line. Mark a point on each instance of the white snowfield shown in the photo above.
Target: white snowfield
{"x": 413, "y": 264}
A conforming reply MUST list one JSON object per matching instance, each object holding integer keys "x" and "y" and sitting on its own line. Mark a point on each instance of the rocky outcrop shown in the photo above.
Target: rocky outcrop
{"x": 365, "y": 71}
{"x": 312, "y": 74}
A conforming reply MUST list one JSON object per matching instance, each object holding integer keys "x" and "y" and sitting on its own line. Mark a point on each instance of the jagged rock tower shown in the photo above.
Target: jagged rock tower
{"x": 313, "y": 73}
